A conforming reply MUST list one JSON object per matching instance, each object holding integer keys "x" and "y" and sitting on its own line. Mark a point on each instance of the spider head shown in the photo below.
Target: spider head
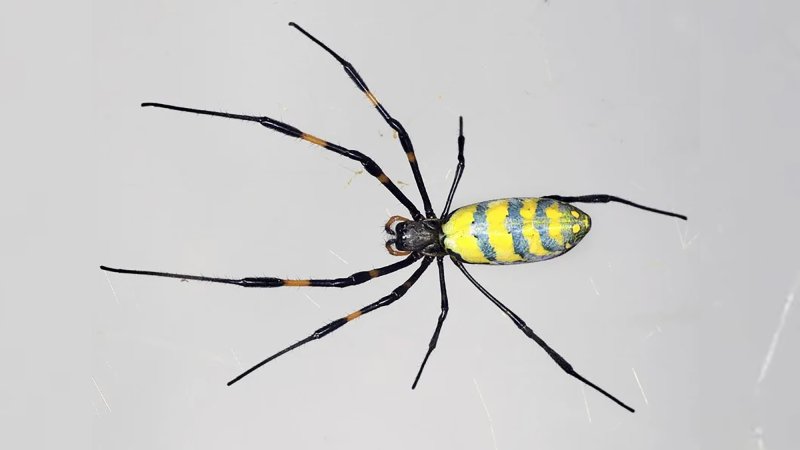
{"x": 414, "y": 236}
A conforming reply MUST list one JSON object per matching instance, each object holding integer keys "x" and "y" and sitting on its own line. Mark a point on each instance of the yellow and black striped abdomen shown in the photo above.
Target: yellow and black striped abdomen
{"x": 514, "y": 230}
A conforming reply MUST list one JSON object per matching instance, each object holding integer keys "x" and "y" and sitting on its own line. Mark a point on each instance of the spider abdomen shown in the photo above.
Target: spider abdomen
{"x": 514, "y": 230}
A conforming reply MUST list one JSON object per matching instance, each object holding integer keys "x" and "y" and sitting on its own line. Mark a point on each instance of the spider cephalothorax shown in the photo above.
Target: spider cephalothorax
{"x": 423, "y": 236}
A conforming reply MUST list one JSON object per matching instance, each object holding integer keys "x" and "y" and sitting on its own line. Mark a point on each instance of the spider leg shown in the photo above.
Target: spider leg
{"x": 338, "y": 323}
{"x": 459, "y": 168}
{"x": 565, "y": 366}
{"x": 405, "y": 140}
{"x": 604, "y": 198}
{"x": 442, "y": 316}
{"x": 268, "y": 282}
{"x": 369, "y": 164}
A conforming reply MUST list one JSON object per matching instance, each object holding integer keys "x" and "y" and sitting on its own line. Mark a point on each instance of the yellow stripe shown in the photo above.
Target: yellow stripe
{"x": 528, "y": 212}
{"x": 458, "y": 237}
{"x": 499, "y": 237}
{"x": 554, "y": 229}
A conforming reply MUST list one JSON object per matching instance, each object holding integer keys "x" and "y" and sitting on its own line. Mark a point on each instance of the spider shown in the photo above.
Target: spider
{"x": 505, "y": 231}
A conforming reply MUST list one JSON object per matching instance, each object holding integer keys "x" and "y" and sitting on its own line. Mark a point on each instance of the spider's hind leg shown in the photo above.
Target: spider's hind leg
{"x": 562, "y": 363}
{"x": 605, "y": 198}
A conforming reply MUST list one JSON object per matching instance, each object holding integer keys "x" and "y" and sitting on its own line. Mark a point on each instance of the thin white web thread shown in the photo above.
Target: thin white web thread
{"x": 312, "y": 300}
{"x": 776, "y": 335}
{"x": 636, "y": 376}
{"x": 236, "y": 358}
{"x": 488, "y": 416}
{"x": 340, "y": 258}
{"x": 586, "y": 403}
{"x": 103, "y": 397}
{"x": 113, "y": 291}
{"x": 594, "y": 286}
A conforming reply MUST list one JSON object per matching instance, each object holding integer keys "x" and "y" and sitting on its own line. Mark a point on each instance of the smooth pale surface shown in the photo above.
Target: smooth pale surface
{"x": 681, "y": 106}
{"x": 688, "y": 106}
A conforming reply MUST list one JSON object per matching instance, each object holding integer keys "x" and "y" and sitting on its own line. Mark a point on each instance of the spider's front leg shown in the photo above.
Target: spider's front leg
{"x": 269, "y": 282}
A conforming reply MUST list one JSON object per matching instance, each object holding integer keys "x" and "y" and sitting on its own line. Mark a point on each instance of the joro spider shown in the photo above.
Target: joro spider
{"x": 505, "y": 231}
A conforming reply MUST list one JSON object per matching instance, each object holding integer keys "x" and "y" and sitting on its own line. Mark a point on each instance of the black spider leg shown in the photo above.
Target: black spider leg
{"x": 370, "y": 165}
{"x": 338, "y": 323}
{"x": 604, "y": 198}
{"x": 405, "y": 140}
{"x": 459, "y": 168}
{"x": 442, "y": 316}
{"x": 269, "y": 282}
{"x": 565, "y": 366}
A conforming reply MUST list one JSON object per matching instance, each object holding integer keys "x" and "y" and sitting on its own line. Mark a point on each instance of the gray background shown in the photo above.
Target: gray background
{"x": 681, "y": 105}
